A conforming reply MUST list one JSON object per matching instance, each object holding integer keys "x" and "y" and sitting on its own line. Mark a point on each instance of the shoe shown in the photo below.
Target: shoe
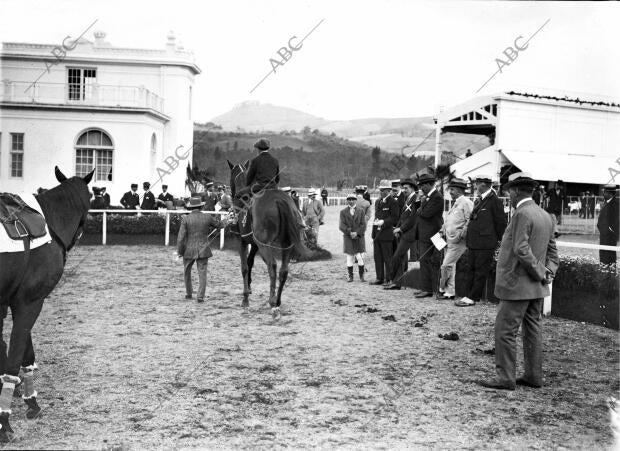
{"x": 443, "y": 296}
{"x": 464, "y": 302}
{"x": 525, "y": 382}
{"x": 350, "y": 271}
{"x": 376, "y": 282}
{"x": 200, "y": 300}
{"x": 188, "y": 296}
{"x": 392, "y": 286}
{"x": 495, "y": 384}
{"x": 423, "y": 294}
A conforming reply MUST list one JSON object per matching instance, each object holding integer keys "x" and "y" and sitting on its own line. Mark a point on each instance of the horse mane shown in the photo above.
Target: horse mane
{"x": 64, "y": 207}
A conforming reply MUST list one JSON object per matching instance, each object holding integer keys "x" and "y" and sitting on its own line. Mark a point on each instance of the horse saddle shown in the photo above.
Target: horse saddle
{"x": 20, "y": 220}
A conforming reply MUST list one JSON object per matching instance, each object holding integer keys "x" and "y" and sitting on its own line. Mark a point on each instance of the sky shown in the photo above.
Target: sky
{"x": 379, "y": 58}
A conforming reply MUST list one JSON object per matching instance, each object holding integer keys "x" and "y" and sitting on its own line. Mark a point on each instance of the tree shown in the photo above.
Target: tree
{"x": 306, "y": 130}
{"x": 375, "y": 155}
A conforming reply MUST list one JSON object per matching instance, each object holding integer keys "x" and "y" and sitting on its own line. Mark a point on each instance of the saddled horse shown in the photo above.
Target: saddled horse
{"x": 274, "y": 231}
{"x": 27, "y": 278}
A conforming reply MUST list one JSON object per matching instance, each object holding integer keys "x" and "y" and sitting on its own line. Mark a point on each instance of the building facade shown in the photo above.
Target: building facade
{"x": 552, "y": 138}
{"x": 86, "y": 104}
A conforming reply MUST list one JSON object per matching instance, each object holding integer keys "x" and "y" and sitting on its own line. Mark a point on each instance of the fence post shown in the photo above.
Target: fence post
{"x": 104, "y": 229}
{"x": 221, "y": 238}
{"x": 167, "y": 234}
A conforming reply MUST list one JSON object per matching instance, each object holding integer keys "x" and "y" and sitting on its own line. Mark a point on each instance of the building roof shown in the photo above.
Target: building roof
{"x": 101, "y": 51}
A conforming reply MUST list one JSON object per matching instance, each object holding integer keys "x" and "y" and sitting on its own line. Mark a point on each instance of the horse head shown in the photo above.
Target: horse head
{"x": 237, "y": 176}
{"x": 66, "y": 207}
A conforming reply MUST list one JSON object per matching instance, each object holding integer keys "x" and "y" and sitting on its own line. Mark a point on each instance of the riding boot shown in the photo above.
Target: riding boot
{"x": 350, "y": 269}
{"x": 361, "y": 271}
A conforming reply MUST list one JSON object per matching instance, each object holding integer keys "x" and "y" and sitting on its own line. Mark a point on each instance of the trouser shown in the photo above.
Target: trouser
{"x": 607, "y": 257}
{"x": 351, "y": 258}
{"x": 383, "y": 257}
{"x": 324, "y": 201}
{"x": 479, "y": 267}
{"x": 399, "y": 257}
{"x": 510, "y": 316}
{"x": 448, "y": 267}
{"x": 201, "y": 265}
{"x": 429, "y": 267}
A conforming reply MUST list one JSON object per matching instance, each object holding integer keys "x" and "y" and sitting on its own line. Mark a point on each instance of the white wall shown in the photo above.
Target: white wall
{"x": 557, "y": 129}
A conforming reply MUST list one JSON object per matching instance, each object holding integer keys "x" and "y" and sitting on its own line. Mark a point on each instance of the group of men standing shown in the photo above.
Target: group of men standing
{"x": 131, "y": 199}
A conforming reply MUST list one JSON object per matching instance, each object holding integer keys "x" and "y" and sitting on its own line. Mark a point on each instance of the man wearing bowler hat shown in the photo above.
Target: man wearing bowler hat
{"x": 193, "y": 244}
{"x": 454, "y": 231}
{"x": 131, "y": 199}
{"x": 386, "y": 217}
{"x": 429, "y": 222}
{"x": 404, "y": 233}
{"x": 484, "y": 232}
{"x": 527, "y": 262}
{"x": 608, "y": 224}
{"x": 264, "y": 170}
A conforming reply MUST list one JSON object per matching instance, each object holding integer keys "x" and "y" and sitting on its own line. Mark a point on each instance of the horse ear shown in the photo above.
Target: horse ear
{"x": 59, "y": 175}
{"x": 230, "y": 165}
{"x": 89, "y": 176}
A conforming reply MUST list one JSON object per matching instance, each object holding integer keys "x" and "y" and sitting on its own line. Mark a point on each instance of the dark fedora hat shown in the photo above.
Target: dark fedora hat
{"x": 134, "y": 185}
{"x": 484, "y": 178}
{"x": 521, "y": 179}
{"x": 262, "y": 144}
{"x": 458, "y": 183}
{"x": 194, "y": 202}
{"x": 424, "y": 178}
{"x": 409, "y": 182}
{"x": 146, "y": 185}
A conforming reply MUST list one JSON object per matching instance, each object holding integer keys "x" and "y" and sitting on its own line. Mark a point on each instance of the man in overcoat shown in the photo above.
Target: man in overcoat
{"x": 404, "y": 232}
{"x": 362, "y": 203}
{"x": 428, "y": 223}
{"x": 484, "y": 233}
{"x": 165, "y": 196}
{"x": 193, "y": 244}
{"x": 386, "y": 217}
{"x": 131, "y": 199}
{"x": 608, "y": 224}
{"x": 527, "y": 262}
{"x": 264, "y": 170}
{"x": 148, "y": 198}
{"x": 353, "y": 226}
{"x": 313, "y": 214}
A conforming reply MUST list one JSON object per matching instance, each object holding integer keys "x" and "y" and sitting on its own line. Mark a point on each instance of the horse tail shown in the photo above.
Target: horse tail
{"x": 290, "y": 232}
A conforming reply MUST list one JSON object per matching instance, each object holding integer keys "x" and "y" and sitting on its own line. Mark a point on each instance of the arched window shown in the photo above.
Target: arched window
{"x": 94, "y": 149}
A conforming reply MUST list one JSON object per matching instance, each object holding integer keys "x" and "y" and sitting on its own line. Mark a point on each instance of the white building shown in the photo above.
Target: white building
{"x": 573, "y": 140}
{"x": 87, "y": 104}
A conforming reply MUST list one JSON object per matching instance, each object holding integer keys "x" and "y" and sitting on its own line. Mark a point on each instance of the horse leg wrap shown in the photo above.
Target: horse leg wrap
{"x": 6, "y": 396}
{"x": 29, "y": 391}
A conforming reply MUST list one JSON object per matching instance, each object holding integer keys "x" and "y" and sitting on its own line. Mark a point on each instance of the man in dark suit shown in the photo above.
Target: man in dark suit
{"x": 165, "y": 196}
{"x": 193, "y": 245}
{"x": 399, "y": 195}
{"x": 404, "y": 233}
{"x": 429, "y": 222}
{"x": 131, "y": 199}
{"x": 527, "y": 261}
{"x": 607, "y": 224}
{"x": 106, "y": 197}
{"x": 484, "y": 232}
{"x": 386, "y": 216}
{"x": 264, "y": 170}
{"x": 556, "y": 201}
{"x": 148, "y": 199}
{"x": 209, "y": 198}
{"x": 353, "y": 226}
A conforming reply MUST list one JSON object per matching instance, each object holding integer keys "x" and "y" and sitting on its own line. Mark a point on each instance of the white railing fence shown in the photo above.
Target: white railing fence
{"x": 167, "y": 213}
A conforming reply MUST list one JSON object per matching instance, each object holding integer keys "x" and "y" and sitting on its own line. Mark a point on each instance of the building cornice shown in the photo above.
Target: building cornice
{"x": 85, "y": 108}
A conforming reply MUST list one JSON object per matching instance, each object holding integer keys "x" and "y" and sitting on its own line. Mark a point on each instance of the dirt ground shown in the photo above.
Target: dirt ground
{"x": 127, "y": 363}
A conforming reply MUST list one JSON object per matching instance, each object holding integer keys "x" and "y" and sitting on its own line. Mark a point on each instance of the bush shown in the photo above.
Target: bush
{"x": 127, "y": 224}
{"x": 586, "y": 273}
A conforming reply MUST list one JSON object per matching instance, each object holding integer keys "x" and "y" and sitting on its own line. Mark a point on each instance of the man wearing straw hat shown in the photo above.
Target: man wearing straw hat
{"x": 353, "y": 226}
{"x": 527, "y": 262}
{"x": 313, "y": 214}
{"x": 454, "y": 230}
{"x": 608, "y": 224}
{"x": 193, "y": 244}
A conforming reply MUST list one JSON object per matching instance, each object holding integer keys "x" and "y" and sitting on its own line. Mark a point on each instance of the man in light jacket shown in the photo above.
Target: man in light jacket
{"x": 193, "y": 245}
{"x": 454, "y": 230}
{"x": 527, "y": 262}
{"x": 313, "y": 214}
{"x": 353, "y": 226}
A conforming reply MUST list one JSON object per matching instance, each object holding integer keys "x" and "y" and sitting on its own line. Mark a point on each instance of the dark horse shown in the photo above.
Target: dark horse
{"x": 27, "y": 278}
{"x": 274, "y": 232}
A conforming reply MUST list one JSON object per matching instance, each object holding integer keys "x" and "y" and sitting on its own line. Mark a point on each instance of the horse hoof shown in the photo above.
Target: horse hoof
{"x": 4, "y": 437}
{"x": 5, "y": 427}
{"x": 275, "y": 313}
{"x": 33, "y": 408}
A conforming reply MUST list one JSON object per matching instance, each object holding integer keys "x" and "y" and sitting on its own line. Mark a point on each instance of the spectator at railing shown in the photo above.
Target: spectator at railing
{"x": 148, "y": 198}
{"x": 607, "y": 225}
{"x": 106, "y": 198}
{"x": 591, "y": 204}
{"x": 131, "y": 199}
{"x": 164, "y": 197}
{"x": 556, "y": 199}
{"x": 97, "y": 203}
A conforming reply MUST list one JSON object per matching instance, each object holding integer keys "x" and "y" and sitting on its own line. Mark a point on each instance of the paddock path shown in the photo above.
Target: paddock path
{"x": 127, "y": 363}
